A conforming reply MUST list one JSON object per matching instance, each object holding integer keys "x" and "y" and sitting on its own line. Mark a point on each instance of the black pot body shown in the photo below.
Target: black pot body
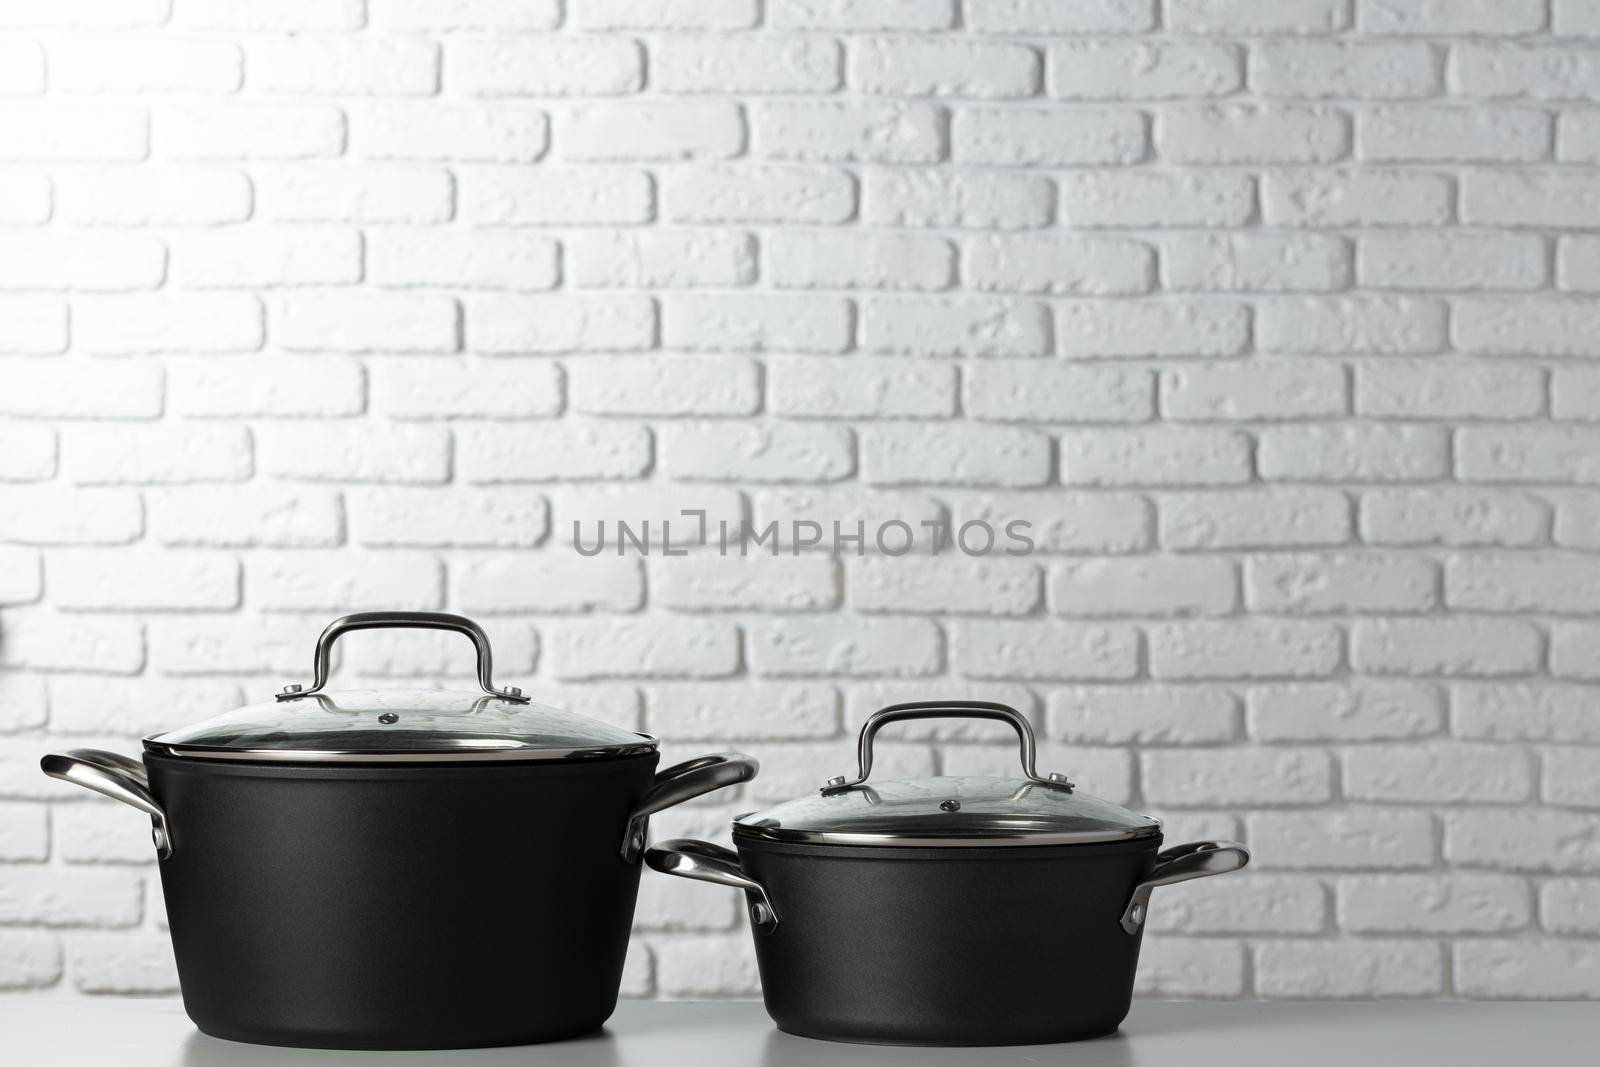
{"x": 948, "y": 946}
{"x": 391, "y": 906}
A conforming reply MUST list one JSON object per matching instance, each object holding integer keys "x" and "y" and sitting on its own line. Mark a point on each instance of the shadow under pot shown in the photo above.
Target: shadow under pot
{"x": 947, "y": 910}
{"x": 389, "y": 869}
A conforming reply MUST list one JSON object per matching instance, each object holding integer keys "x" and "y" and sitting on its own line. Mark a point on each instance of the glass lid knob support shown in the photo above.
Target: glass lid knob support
{"x": 946, "y": 709}
{"x": 402, "y": 620}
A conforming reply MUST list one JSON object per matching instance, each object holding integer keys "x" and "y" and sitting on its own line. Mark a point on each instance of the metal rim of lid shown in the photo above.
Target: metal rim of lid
{"x": 885, "y": 839}
{"x": 647, "y": 744}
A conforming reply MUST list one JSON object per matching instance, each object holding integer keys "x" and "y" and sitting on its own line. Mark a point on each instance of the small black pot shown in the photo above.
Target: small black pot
{"x": 399, "y": 870}
{"x": 947, "y": 911}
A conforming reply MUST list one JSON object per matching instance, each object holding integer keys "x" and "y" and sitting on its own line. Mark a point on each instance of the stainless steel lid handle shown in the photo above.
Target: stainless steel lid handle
{"x": 705, "y": 862}
{"x": 1198, "y": 859}
{"x": 681, "y": 782}
{"x": 113, "y": 775}
{"x": 946, "y": 709}
{"x": 402, "y": 620}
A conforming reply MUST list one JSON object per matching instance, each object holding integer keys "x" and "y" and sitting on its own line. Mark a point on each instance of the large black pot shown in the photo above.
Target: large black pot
{"x": 947, "y": 911}
{"x": 388, "y": 870}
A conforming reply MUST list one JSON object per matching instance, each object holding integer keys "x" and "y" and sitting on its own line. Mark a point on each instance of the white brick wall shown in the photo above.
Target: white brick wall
{"x": 1265, "y": 314}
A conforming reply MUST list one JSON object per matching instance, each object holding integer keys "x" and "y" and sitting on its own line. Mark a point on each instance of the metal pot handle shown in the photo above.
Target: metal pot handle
{"x": 705, "y": 862}
{"x": 681, "y": 782}
{"x": 1198, "y": 859}
{"x": 402, "y": 620}
{"x": 113, "y": 775}
{"x": 946, "y": 709}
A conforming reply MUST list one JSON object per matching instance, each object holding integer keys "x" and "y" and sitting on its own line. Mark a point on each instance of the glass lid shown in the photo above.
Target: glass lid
{"x": 948, "y": 811}
{"x": 306, "y": 724}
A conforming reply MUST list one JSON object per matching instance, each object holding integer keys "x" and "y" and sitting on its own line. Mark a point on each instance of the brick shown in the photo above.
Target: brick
{"x": 1430, "y": 904}
{"x": 1251, "y": 133}
{"x": 245, "y": 515}
{"x": 1271, "y": 904}
{"x": 753, "y": 583}
{"x": 475, "y": 259}
{"x": 100, "y": 834}
{"x": 124, "y": 454}
{"x": 1094, "y": 266}
{"x": 1567, "y": 906}
{"x": 1551, "y": 453}
{"x": 1196, "y": 777}
{"x": 32, "y": 959}
{"x": 1254, "y": 518}
{"x": 66, "y": 515}
{"x": 130, "y": 963}
{"x": 712, "y": 712}
{"x": 1438, "y": 772}
{"x": 970, "y": 455}
{"x": 1028, "y": 391}
{"x": 681, "y": 648}
{"x": 354, "y": 452}
{"x": 673, "y": 384}
{"x": 1527, "y": 198}
{"x": 1036, "y": 650}
{"x": 287, "y": 15}
{"x": 841, "y": 646}
{"x": 1339, "y": 584}
{"x": 844, "y": 387}
{"x": 663, "y": 15}
{"x": 52, "y": 897}
{"x": 1441, "y": 135}
{"x": 736, "y": 322}
{"x": 1124, "y": 715}
{"x": 1360, "y": 452}
{"x": 787, "y": 64}
{"x": 271, "y": 385}
{"x": 1452, "y": 516}
{"x": 672, "y": 130}
{"x": 978, "y": 200}
{"x": 660, "y": 258}
{"x": 552, "y": 195}
{"x": 427, "y": 517}
{"x": 1577, "y": 137}
{"x": 1378, "y": 325}
{"x": 706, "y": 965}
{"x": 1578, "y": 263}
{"x": 354, "y": 193}
{"x": 1346, "y": 711}
{"x": 517, "y": 582}
{"x": 145, "y": 65}
{"x": 1452, "y": 646}
{"x": 124, "y": 580}
{"x": 1526, "y": 327}
{"x": 878, "y": 260}
{"x": 858, "y": 132}
{"x": 1428, "y": 17}
{"x": 233, "y": 130}
{"x": 1146, "y": 586}
{"x": 1570, "y": 777}
{"x": 595, "y": 510}
{"x": 1046, "y": 16}
{"x": 1533, "y": 711}
{"x": 1191, "y": 967}
{"x": 1106, "y": 329}
{"x": 21, "y": 580}
{"x": 1074, "y": 522}
{"x": 497, "y": 453}
{"x": 1575, "y": 18}
{"x": 365, "y": 322}
{"x": 32, "y": 325}
{"x": 77, "y": 388}
{"x": 1349, "y": 838}
{"x": 499, "y": 133}
{"x": 312, "y": 581}
{"x": 24, "y": 833}
{"x": 28, "y": 451}
{"x": 758, "y": 193}
{"x": 1577, "y": 523}
{"x": 943, "y": 586}
{"x": 102, "y": 262}
{"x": 1533, "y": 969}
{"x": 21, "y": 68}
{"x": 854, "y": 509}
{"x": 1526, "y": 839}
{"x": 1367, "y": 197}
{"x": 1452, "y": 261}
{"x": 1519, "y": 582}
{"x": 1253, "y": 389}
{"x": 772, "y": 452}
{"x": 1536, "y": 72}
{"x": 861, "y": 14}
{"x": 506, "y": 324}
{"x": 344, "y": 66}
{"x": 49, "y": 132}
{"x": 51, "y": 642}
{"x": 1014, "y": 136}
{"x": 1348, "y": 969}
{"x": 25, "y": 198}
{"x": 168, "y": 322}
{"x": 1144, "y": 199}
{"x": 1344, "y": 69}
{"x": 909, "y": 66}
{"x": 954, "y": 327}
{"x": 207, "y": 259}
{"x": 1253, "y": 648}
{"x": 544, "y": 66}
{"x": 1159, "y": 455}
{"x": 1244, "y": 17}
{"x": 1573, "y": 648}
{"x": 1254, "y": 262}
{"x": 1143, "y": 70}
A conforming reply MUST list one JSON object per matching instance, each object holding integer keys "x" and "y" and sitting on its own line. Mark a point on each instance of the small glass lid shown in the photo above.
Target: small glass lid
{"x": 948, "y": 811}
{"x": 306, "y": 724}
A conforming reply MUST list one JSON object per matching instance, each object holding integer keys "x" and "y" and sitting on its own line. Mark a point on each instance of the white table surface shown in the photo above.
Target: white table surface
{"x": 110, "y": 1033}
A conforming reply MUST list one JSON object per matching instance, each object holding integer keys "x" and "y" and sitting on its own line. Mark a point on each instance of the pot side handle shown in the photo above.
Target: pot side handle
{"x": 705, "y": 862}
{"x": 681, "y": 782}
{"x": 1198, "y": 859}
{"x": 116, "y": 776}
